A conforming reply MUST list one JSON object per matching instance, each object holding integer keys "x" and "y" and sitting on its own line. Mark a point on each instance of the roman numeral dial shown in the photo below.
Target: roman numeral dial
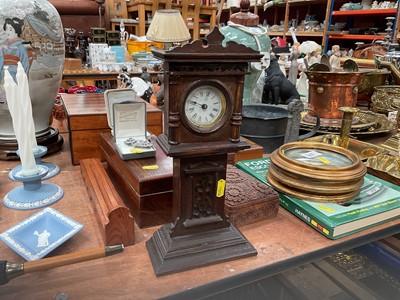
{"x": 204, "y": 106}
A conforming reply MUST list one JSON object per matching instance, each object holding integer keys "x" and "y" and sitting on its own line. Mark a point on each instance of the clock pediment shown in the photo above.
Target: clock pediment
{"x": 211, "y": 46}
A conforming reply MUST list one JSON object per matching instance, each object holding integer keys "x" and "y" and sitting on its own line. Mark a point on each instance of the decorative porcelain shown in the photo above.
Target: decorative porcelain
{"x": 38, "y": 153}
{"x": 41, "y": 233}
{"x": 33, "y": 193}
{"x": 254, "y": 37}
{"x": 31, "y": 32}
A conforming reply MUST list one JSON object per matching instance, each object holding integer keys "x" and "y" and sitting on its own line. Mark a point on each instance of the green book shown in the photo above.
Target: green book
{"x": 377, "y": 202}
{"x": 255, "y": 167}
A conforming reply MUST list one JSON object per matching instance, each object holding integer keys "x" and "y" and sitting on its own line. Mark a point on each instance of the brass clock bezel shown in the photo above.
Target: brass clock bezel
{"x": 227, "y": 107}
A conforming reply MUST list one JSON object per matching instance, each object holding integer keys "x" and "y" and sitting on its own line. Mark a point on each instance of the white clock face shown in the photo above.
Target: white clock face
{"x": 205, "y": 106}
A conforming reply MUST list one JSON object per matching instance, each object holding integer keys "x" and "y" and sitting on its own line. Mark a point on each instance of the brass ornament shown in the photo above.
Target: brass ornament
{"x": 363, "y": 149}
{"x": 365, "y": 123}
{"x": 348, "y": 114}
{"x": 385, "y": 163}
{"x": 385, "y": 98}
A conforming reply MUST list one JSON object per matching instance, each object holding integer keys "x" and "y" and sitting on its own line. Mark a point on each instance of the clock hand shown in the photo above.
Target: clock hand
{"x": 195, "y": 103}
{"x": 203, "y": 106}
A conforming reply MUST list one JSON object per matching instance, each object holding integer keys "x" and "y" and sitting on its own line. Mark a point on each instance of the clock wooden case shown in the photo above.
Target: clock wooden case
{"x": 205, "y": 70}
{"x": 202, "y": 116}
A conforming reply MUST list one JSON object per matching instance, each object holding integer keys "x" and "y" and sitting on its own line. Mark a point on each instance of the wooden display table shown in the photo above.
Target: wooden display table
{"x": 87, "y": 118}
{"x": 282, "y": 242}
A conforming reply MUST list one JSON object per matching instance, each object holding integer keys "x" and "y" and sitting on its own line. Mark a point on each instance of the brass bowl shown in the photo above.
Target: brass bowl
{"x": 373, "y": 78}
{"x": 316, "y": 171}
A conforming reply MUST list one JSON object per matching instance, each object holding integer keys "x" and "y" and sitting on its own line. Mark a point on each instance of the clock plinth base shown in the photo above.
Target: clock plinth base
{"x": 175, "y": 254}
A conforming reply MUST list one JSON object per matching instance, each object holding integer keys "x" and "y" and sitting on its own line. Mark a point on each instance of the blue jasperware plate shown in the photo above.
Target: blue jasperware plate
{"x": 41, "y": 233}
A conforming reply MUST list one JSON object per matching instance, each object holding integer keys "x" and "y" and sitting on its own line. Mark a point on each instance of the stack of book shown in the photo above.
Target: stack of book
{"x": 377, "y": 202}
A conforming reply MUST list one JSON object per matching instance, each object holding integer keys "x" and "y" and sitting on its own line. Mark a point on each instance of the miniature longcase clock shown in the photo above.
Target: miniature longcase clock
{"x": 202, "y": 117}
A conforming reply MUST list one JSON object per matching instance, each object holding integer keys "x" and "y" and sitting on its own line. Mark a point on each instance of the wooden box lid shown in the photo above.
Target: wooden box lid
{"x": 247, "y": 200}
{"x": 143, "y": 181}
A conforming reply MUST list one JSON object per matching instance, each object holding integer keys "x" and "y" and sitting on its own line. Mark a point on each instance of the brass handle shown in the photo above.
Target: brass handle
{"x": 320, "y": 89}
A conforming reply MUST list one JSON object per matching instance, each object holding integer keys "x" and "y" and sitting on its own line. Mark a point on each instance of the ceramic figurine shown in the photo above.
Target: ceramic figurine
{"x": 141, "y": 88}
{"x": 313, "y": 58}
{"x": 294, "y": 65}
{"x": 81, "y": 49}
{"x": 334, "y": 60}
{"x": 278, "y": 89}
{"x": 302, "y": 85}
{"x": 71, "y": 41}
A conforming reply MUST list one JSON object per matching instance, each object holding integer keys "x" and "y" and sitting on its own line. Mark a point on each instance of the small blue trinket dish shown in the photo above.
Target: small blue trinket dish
{"x": 41, "y": 233}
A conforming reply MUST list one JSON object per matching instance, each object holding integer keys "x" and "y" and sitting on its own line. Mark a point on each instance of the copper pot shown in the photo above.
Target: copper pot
{"x": 330, "y": 90}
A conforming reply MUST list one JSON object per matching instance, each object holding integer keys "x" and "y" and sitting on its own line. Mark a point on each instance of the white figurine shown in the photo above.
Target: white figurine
{"x": 302, "y": 86}
{"x": 334, "y": 60}
{"x": 141, "y": 88}
{"x": 313, "y": 58}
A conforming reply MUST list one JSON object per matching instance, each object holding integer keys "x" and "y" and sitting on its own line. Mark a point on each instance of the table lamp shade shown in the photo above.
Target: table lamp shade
{"x": 168, "y": 26}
